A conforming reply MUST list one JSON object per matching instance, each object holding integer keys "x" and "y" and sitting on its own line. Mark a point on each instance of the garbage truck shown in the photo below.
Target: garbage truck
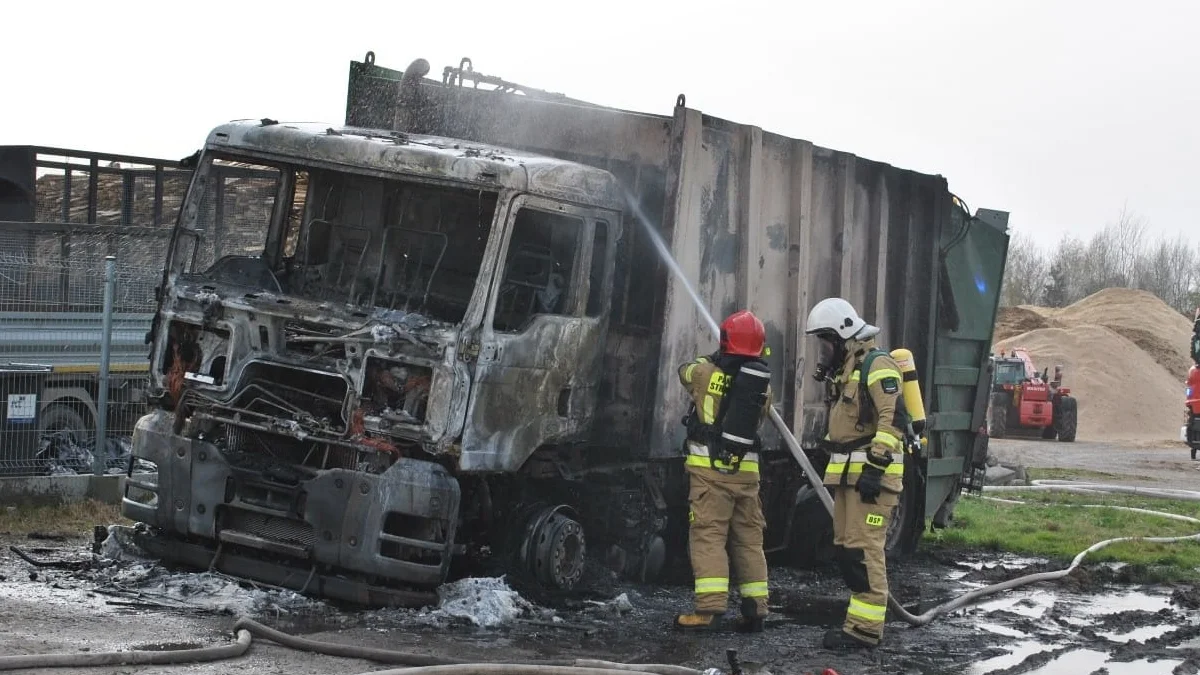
{"x": 442, "y": 331}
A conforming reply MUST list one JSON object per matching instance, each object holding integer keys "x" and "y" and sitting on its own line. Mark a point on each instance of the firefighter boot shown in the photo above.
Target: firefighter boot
{"x": 839, "y": 640}
{"x": 750, "y": 621}
{"x": 697, "y": 621}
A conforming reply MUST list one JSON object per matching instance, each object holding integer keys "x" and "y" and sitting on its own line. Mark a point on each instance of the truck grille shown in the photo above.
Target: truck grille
{"x": 271, "y": 528}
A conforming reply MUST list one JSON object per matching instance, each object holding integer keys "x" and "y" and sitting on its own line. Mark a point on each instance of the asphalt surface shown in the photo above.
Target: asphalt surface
{"x": 1151, "y": 464}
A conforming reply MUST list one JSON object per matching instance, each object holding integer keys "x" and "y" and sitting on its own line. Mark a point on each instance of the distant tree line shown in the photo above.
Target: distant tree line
{"x": 1121, "y": 255}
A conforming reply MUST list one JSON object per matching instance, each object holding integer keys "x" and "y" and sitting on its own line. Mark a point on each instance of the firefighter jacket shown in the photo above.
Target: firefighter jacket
{"x": 707, "y": 384}
{"x": 877, "y": 439}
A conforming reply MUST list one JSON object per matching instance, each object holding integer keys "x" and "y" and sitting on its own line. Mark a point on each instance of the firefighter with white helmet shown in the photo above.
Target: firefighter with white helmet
{"x": 866, "y": 445}
{"x": 730, "y": 393}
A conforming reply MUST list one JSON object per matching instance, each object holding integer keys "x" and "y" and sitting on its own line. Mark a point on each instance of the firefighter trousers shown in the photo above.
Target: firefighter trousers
{"x": 859, "y": 538}
{"x": 726, "y": 511}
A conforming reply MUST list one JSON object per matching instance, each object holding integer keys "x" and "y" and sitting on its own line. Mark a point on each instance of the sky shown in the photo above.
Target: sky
{"x": 1060, "y": 112}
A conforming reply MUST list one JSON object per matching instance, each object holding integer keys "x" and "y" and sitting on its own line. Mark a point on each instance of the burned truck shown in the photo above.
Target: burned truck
{"x": 441, "y": 333}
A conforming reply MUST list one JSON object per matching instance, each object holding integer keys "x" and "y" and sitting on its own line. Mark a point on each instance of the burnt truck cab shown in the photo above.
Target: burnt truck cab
{"x": 352, "y": 323}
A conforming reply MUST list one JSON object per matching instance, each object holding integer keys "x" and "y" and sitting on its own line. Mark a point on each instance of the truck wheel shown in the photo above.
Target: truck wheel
{"x": 998, "y": 416}
{"x": 908, "y": 518}
{"x": 61, "y": 418}
{"x": 811, "y": 538}
{"x": 554, "y": 550}
{"x": 1068, "y": 419}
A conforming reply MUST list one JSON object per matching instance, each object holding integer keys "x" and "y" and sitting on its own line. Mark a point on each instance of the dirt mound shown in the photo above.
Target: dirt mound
{"x": 1141, "y": 317}
{"x": 1012, "y": 321}
{"x": 1122, "y": 390}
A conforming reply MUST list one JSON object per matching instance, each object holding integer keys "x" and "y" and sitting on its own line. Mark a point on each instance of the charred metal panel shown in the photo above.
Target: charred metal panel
{"x": 799, "y": 223}
{"x": 487, "y": 165}
{"x": 547, "y": 125}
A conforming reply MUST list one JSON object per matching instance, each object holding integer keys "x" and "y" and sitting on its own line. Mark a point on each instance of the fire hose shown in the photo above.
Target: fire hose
{"x": 415, "y": 664}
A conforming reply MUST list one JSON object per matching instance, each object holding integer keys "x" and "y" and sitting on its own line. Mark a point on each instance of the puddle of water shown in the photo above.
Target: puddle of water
{"x": 1001, "y": 630}
{"x": 1111, "y": 603}
{"x": 1032, "y": 605}
{"x": 1075, "y": 661}
{"x": 1087, "y": 661}
{"x": 1139, "y": 634}
{"x": 1020, "y": 651}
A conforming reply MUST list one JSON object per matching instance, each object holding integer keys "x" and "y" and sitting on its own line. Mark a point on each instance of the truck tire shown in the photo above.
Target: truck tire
{"x": 1068, "y": 419}
{"x": 998, "y": 416}
{"x": 1192, "y": 433}
{"x": 58, "y": 418}
{"x": 810, "y": 541}
{"x": 908, "y": 518}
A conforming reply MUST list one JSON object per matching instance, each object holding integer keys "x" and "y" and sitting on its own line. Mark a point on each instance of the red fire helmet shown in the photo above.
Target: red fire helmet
{"x": 743, "y": 334}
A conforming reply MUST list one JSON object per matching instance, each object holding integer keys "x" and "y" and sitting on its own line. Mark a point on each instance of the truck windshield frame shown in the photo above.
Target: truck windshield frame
{"x": 359, "y": 239}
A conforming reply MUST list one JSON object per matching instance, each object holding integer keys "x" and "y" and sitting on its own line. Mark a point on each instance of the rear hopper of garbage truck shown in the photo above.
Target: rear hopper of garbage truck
{"x": 760, "y": 221}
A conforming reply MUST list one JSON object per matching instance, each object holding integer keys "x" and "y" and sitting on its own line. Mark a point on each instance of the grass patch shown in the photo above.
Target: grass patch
{"x": 1070, "y": 474}
{"x": 1058, "y": 526}
{"x": 75, "y": 519}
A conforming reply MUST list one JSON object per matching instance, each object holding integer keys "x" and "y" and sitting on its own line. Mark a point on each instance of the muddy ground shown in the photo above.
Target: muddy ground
{"x": 1086, "y": 625}
{"x": 1158, "y": 464}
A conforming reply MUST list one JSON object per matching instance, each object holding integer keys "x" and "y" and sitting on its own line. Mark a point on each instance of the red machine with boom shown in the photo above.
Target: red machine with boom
{"x": 1190, "y": 433}
{"x": 1027, "y": 402}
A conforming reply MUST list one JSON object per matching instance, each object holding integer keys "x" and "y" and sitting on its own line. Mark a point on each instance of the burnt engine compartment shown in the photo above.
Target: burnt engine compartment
{"x": 302, "y": 412}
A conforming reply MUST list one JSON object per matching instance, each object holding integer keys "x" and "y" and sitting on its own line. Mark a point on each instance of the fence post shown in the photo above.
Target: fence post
{"x": 100, "y": 454}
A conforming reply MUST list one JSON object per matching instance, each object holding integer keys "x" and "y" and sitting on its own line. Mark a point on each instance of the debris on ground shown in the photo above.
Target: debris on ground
{"x": 1124, "y": 353}
{"x": 66, "y": 455}
{"x": 487, "y": 602}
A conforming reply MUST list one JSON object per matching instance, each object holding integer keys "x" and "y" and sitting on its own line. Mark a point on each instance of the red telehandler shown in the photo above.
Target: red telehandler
{"x": 1190, "y": 433}
{"x": 1025, "y": 402}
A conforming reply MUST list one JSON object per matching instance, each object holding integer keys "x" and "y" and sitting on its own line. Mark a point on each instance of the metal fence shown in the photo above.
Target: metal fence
{"x": 80, "y": 273}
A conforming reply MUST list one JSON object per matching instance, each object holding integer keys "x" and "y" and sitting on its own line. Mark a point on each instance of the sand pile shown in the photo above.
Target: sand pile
{"x": 1141, "y": 317}
{"x": 1012, "y": 321}
{"x": 1125, "y": 355}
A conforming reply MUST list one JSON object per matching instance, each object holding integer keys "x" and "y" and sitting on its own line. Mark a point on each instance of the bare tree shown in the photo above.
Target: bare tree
{"x": 1069, "y": 274}
{"x": 1121, "y": 255}
{"x": 1025, "y": 273}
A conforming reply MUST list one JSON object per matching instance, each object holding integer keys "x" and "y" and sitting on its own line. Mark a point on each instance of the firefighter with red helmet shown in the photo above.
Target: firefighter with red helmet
{"x": 730, "y": 393}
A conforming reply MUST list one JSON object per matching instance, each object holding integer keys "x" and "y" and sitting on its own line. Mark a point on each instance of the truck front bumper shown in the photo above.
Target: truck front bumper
{"x": 396, "y": 526}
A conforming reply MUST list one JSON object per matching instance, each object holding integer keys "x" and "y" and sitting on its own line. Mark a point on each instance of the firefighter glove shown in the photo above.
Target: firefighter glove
{"x": 869, "y": 483}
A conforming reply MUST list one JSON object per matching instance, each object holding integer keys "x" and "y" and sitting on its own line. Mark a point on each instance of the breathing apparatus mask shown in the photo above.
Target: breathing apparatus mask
{"x": 830, "y": 356}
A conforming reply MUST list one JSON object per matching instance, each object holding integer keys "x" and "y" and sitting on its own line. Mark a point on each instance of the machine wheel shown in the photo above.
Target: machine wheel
{"x": 1068, "y": 419}
{"x": 998, "y": 416}
{"x": 1050, "y": 432}
{"x": 60, "y": 418}
{"x": 1192, "y": 434}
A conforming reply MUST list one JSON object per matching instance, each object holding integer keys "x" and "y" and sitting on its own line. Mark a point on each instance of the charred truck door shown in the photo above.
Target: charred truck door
{"x": 542, "y": 338}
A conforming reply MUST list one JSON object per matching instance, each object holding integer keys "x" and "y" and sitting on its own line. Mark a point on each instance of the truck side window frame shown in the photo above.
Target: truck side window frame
{"x": 599, "y": 302}
{"x": 574, "y": 295}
